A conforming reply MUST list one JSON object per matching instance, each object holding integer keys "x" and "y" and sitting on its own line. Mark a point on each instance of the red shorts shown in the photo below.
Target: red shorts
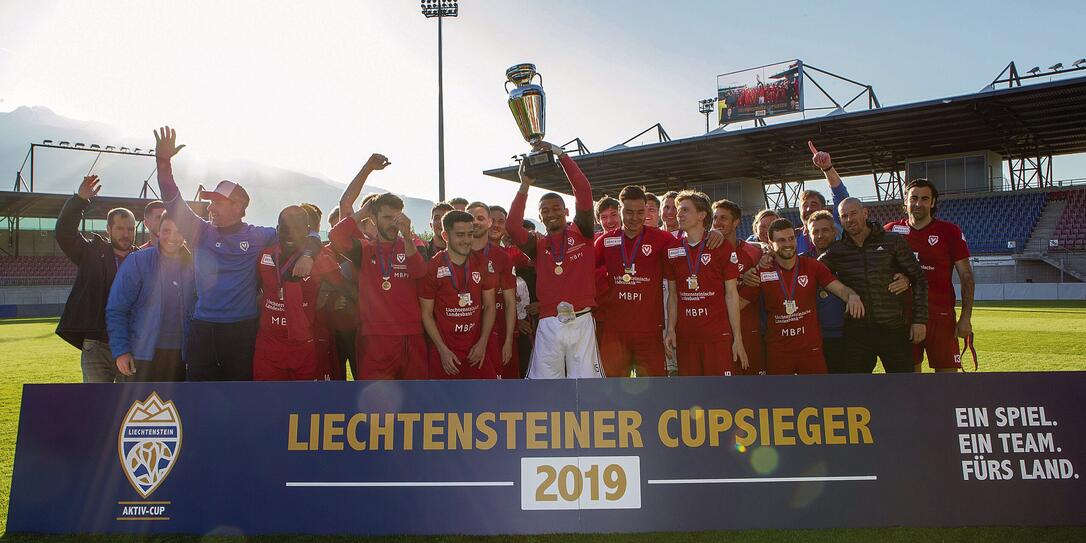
{"x": 705, "y": 358}
{"x": 941, "y": 340}
{"x": 392, "y": 357}
{"x": 275, "y": 360}
{"x": 787, "y": 360}
{"x": 642, "y": 351}
{"x": 467, "y": 371}
{"x": 755, "y": 348}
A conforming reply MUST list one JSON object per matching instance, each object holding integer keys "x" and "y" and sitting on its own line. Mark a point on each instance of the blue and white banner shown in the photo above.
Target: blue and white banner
{"x": 501, "y": 457}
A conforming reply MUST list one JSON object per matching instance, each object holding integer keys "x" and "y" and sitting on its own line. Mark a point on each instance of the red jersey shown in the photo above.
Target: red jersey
{"x": 798, "y": 329}
{"x": 287, "y": 307}
{"x": 444, "y": 282}
{"x": 703, "y": 315}
{"x": 749, "y": 255}
{"x": 499, "y": 264}
{"x": 520, "y": 260}
{"x": 937, "y": 247}
{"x": 392, "y": 312}
{"x": 636, "y": 305}
{"x": 576, "y": 283}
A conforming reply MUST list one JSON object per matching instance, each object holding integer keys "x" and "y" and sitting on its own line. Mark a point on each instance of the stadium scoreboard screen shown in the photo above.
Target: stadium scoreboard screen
{"x": 757, "y": 93}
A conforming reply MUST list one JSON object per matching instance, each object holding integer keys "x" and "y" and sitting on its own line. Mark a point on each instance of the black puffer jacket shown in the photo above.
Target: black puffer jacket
{"x": 870, "y": 269}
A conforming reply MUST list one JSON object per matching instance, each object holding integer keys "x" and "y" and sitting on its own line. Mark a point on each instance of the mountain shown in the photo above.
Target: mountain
{"x": 60, "y": 171}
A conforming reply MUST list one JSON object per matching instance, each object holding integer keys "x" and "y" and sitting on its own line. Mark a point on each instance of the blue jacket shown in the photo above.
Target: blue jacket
{"x": 133, "y": 313}
{"x": 831, "y": 309}
{"x": 803, "y": 242}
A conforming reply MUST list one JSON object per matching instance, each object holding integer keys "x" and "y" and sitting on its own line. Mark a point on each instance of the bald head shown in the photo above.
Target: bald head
{"x": 853, "y": 215}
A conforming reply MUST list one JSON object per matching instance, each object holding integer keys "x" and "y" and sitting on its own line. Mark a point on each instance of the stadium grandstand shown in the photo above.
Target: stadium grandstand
{"x": 989, "y": 153}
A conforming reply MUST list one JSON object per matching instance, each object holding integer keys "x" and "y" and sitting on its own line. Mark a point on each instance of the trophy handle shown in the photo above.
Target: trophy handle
{"x": 507, "y": 82}
{"x": 540, "y": 76}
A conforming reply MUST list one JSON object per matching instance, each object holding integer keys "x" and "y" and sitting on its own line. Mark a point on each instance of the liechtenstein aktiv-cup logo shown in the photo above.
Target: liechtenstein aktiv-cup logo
{"x": 149, "y": 443}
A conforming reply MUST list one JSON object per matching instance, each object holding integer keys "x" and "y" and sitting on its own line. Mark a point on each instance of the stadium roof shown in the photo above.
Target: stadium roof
{"x": 1028, "y": 121}
{"x": 46, "y": 205}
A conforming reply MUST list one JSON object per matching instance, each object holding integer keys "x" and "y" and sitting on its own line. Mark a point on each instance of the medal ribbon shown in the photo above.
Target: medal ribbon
{"x": 559, "y": 258}
{"x": 452, "y": 274}
{"x": 627, "y": 263}
{"x": 791, "y": 294}
{"x": 697, "y": 261}
{"x": 386, "y": 272}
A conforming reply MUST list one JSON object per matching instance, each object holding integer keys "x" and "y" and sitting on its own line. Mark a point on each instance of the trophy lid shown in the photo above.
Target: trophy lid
{"x": 521, "y": 74}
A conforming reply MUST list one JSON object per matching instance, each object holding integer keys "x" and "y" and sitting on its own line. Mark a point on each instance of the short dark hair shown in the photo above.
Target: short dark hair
{"x": 528, "y": 225}
{"x": 778, "y": 225}
{"x": 650, "y": 197}
{"x": 701, "y": 201}
{"x": 313, "y": 213}
{"x": 552, "y": 196}
{"x": 670, "y": 194}
{"x": 458, "y": 201}
{"x": 731, "y": 206}
{"x": 116, "y": 212}
{"x": 333, "y": 217}
{"x": 820, "y": 215}
{"x": 388, "y": 200}
{"x": 633, "y": 192}
{"x": 811, "y": 192}
{"x": 499, "y": 208}
{"x": 476, "y": 204}
{"x": 453, "y": 217}
{"x": 153, "y": 205}
{"x": 604, "y": 204}
{"x": 444, "y": 207}
{"x": 761, "y": 215}
{"x": 921, "y": 183}
{"x": 167, "y": 216}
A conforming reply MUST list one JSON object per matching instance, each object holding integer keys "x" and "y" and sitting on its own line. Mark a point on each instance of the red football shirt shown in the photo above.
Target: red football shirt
{"x": 635, "y": 306}
{"x": 459, "y": 326}
{"x": 703, "y": 315}
{"x": 393, "y": 312}
{"x": 749, "y": 254}
{"x": 799, "y": 330}
{"x": 937, "y": 246}
{"x": 500, "y": 264}
{"x": 287, "y": 307}
{"x": 577, "y": 282}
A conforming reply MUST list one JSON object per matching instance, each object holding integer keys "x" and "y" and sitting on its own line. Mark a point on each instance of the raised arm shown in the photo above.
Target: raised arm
{"x": 187, "y": 221}
{"x": 69, "y": 238}
{"x": 354, "y": 188}
{"x": 514, "y": 225}
{"x": 582, "y": 191}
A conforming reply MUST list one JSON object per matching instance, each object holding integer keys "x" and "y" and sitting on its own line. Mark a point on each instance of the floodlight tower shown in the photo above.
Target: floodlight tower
{"x": 440, "y": 9}
{"x": 706, "y": 107}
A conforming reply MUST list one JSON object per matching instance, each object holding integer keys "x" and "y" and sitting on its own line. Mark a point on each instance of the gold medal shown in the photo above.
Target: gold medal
{"x": 386, "y": 285}
{"x": 790, "y": 306}
{"x": 558, "y": 269}
{"x": 692, "y": 282}
{"x": 626, "y": 278}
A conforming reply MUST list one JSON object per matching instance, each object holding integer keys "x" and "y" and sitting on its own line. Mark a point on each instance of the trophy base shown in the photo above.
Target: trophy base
{"x": 536, "y": 164}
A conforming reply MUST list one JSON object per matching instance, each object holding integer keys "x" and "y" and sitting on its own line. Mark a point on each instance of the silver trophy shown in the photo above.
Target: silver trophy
{"x": 528, "y": 103}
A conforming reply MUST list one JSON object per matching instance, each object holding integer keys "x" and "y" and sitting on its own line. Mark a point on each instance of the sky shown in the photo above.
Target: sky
{"x": 318, "y": 86}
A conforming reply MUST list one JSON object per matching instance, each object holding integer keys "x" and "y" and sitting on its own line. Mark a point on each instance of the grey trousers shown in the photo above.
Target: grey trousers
{"x": 97, "y": 363}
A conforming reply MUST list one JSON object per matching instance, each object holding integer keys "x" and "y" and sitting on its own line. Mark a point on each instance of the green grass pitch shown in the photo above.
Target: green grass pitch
{"x": 1024, "y": 336}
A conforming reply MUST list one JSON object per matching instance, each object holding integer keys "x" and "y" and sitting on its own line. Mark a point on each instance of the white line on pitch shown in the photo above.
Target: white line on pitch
{"x": 762, "y": 480}
{"x": 397, "y": 483}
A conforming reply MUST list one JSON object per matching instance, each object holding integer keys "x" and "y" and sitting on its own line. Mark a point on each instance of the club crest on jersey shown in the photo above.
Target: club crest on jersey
{"x": 802, "y": 280}
{"x": 477, "y": 277}
{"x": 569, "y": 241}
{"x": 149, "y": 443}
{"x": 705, "y": 259}
{"x": 244, "y": 245}
{"x": 613, "y": 241}
{"x": 932, "y": 240}
{"x": 267, "y": 260}
{"x": 647, "y": 249}
{"x": 676, "y": 252}
{"x": 443, "y": 271}
{"x": 401, "y": 258}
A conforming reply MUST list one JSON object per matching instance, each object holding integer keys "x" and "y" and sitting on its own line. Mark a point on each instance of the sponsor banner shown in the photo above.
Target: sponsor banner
{"x": 757, "y": 93}
{"x": 502, "y": 457}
